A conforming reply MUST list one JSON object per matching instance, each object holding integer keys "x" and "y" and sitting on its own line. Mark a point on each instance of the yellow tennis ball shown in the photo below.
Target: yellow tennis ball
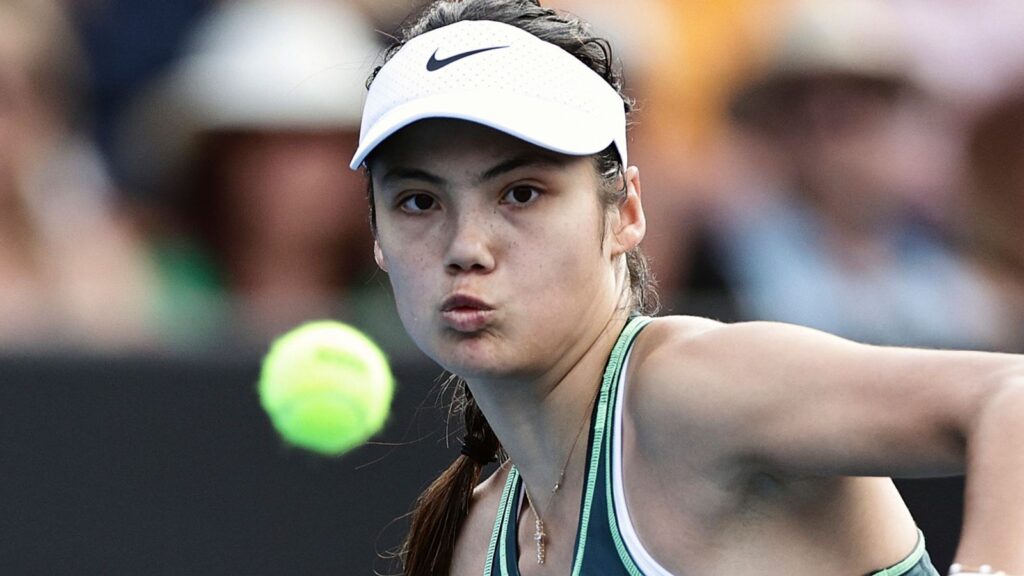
{"x": 326, "y": 387}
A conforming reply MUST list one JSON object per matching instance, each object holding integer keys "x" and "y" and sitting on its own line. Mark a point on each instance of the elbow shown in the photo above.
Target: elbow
{"x": 1002, "y": 390}
{"x": 1005, "y": 395}
{"x": 1000, "y": 414}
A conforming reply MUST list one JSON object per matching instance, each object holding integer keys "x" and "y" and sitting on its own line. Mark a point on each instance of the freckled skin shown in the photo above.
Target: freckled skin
{"x": 526, "y": 260}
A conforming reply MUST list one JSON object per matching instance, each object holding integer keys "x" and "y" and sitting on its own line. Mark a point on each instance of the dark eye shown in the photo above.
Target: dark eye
{"x": 521, "y": 195}
{"x": 418, "y": 203}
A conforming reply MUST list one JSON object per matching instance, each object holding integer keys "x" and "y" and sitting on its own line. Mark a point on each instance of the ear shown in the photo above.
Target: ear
{"x": 628, "y": 223}
{"x": 378, "y": 256}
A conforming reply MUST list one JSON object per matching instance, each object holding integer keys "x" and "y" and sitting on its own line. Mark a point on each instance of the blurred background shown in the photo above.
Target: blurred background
{"x": 174, "y": 192}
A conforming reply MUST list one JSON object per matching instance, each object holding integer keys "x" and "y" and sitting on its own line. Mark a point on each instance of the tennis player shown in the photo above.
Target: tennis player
{"x": 508, "y": 219}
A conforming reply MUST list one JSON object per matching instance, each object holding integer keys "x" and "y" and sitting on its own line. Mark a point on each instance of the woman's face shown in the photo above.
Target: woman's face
{"x": 497, "y": 250}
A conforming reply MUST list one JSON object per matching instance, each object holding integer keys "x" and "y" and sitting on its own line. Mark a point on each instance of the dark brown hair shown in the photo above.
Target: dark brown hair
{"x": 440, "y": 511}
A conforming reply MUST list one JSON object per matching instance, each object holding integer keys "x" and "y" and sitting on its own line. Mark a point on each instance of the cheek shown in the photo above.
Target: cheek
{"x": 407, "y": 273}
{"x": 573, "y": 257}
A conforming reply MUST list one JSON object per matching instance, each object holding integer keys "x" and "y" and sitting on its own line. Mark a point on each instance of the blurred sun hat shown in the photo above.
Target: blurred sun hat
{"x": 853, "y": 40}
{"x": 499, "y": 76}
{"x": 256, "y": 65}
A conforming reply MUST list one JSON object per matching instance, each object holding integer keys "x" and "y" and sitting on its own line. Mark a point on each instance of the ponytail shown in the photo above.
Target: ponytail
{"x": 441, "y": 510}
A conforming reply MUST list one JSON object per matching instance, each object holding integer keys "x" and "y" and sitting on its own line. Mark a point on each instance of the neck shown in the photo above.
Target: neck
{"x": 539, "y": 420}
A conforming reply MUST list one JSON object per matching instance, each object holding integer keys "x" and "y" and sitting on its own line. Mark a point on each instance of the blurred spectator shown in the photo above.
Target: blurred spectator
{"x": 841, "y": 241}
{"x": 127, "y": 43}
{"x": 994, "y": 212}
{"x": 966, "y": 50}
{"x": 242, "y": 151}
{"x": 71, "y": 271}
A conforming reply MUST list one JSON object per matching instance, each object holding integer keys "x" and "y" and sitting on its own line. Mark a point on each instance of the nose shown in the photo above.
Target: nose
{"x": 470, "y": 245}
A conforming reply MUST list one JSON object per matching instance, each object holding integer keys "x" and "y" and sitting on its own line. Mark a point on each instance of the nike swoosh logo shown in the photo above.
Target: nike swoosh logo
{"x": 434, "y": 64}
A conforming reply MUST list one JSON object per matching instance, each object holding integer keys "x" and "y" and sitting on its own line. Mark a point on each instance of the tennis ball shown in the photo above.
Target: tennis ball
{"x": 326, "y": 387}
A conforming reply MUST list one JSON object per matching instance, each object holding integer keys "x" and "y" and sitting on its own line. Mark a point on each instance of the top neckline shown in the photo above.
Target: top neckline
{"x": 504, "y": 544}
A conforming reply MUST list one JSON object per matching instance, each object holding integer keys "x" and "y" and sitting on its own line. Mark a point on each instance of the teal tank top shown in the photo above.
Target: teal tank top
{"x": 605, "y": 542}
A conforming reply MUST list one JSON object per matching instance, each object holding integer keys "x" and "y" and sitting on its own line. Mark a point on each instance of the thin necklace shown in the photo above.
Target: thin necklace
{"x": 539, "y": 535}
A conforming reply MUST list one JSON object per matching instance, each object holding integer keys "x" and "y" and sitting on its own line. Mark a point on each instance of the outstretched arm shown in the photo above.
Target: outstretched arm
{"x": 804, "y": 402}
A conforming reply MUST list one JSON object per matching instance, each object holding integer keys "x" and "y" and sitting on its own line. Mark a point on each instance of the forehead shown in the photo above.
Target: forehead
{"x": 447, "y": 145}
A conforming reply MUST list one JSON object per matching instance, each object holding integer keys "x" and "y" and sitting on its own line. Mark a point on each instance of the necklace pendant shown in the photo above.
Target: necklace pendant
{"x": 540, "y": 538}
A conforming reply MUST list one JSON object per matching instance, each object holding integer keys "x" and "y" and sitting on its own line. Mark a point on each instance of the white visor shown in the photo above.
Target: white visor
{"x": 499, "y": 76}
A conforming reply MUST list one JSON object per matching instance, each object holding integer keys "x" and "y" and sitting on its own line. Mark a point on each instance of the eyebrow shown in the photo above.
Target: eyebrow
{"x": 401, "y": 173}
{"x": 506, "y": 166}
{"x": 522, "y": 161}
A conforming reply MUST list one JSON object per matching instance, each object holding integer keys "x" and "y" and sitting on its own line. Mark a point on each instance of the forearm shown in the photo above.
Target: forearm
{"x": 993, "y": 530}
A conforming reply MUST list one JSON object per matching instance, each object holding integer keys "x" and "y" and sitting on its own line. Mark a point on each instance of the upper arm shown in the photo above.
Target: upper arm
{"x": 801, "y": 401}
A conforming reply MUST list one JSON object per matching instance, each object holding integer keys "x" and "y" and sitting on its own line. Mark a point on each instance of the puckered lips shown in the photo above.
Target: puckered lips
{"x": 465, "y": 313}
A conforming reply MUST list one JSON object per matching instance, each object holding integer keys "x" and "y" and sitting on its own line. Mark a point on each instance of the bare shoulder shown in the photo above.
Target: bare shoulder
{"x": 475, "y": 536}
{"x": 660, "y": 351}
{"x": 667, "y": 330}
{"x": 686, "y": 376}
{"x": 706, "y": 361}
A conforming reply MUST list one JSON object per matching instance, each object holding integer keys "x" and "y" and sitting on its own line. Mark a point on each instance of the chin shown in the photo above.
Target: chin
{"x": 472, "y": 357}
